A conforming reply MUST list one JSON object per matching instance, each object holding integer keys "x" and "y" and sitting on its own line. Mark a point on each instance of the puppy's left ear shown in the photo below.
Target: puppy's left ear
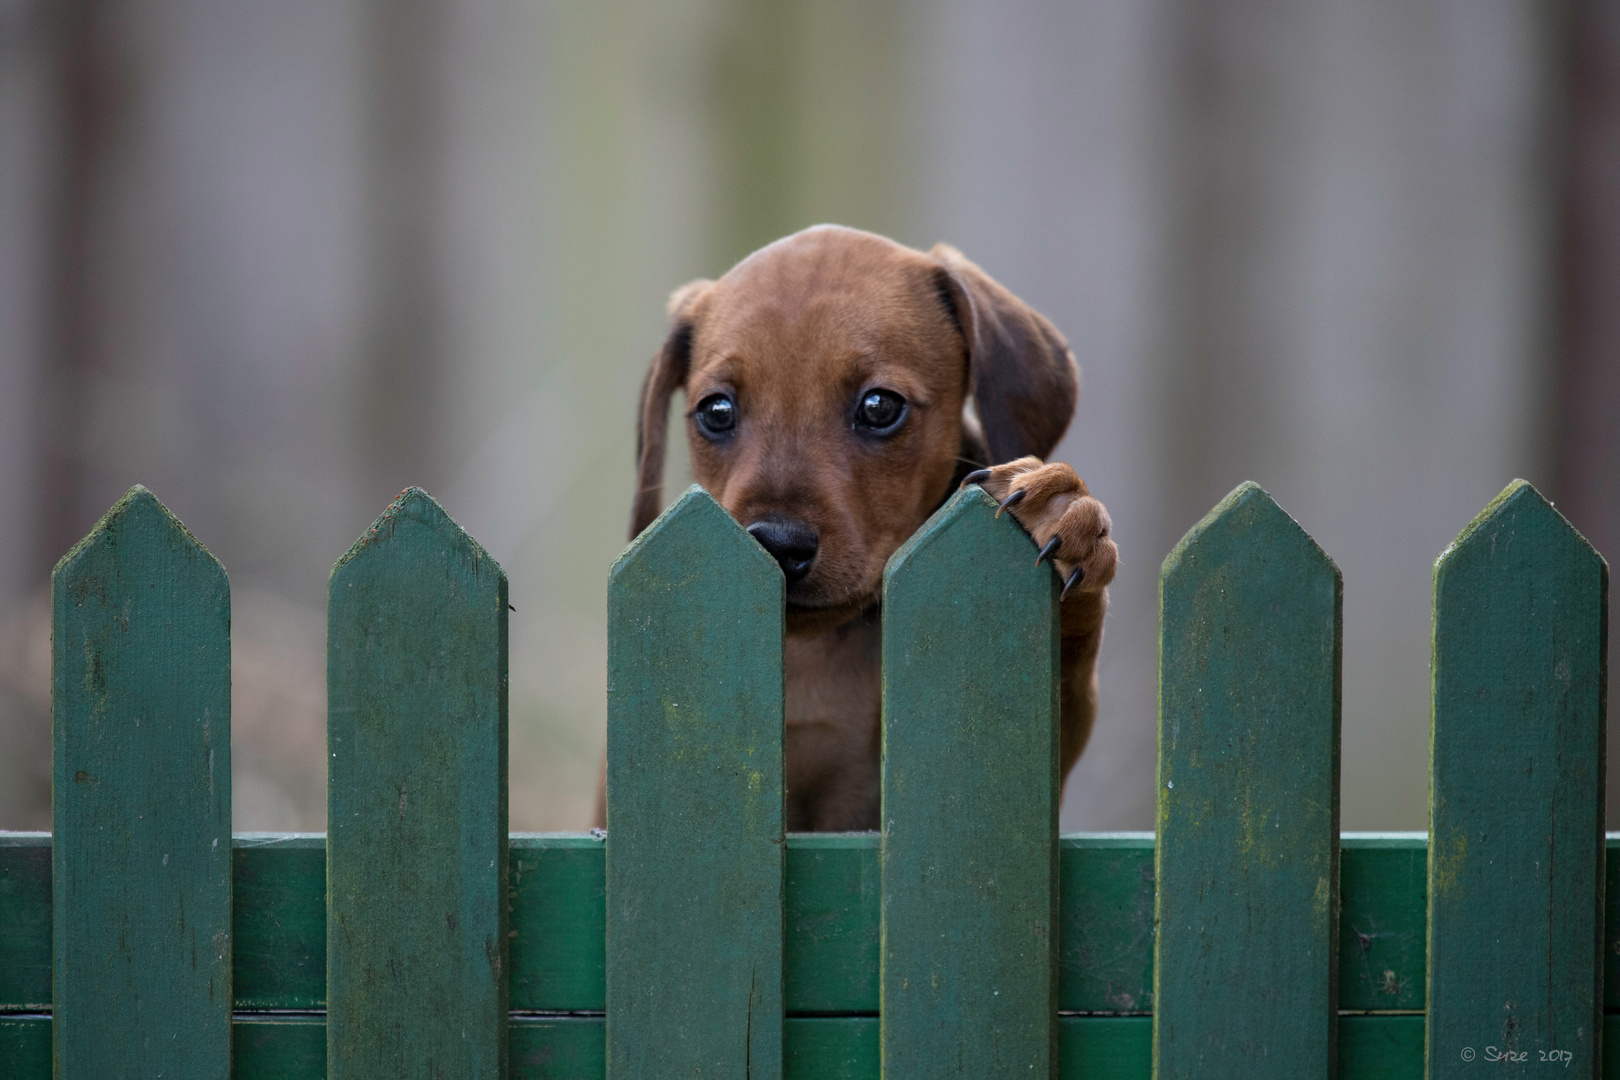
{"x": 665, "y": 375}
{"x": 1023, "y": 378}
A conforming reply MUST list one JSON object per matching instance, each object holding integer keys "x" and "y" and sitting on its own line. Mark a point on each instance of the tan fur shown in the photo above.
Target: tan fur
{"x": 795, "y": 334}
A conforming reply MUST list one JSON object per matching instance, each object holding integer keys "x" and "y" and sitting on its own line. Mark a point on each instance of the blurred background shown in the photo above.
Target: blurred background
{"x": 276, "y": 261}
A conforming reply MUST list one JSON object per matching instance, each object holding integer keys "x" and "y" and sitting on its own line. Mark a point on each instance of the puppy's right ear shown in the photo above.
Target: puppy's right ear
{"x": 666, "y": 374}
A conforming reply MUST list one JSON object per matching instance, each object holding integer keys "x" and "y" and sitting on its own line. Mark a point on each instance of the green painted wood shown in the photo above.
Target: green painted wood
{"x": 1611, "y": 926}
{"x": 1248, "y": 799}
{"x": 141, "y": 800}
{"x": 1384, "y": 885}
{"x": 559, "y": 1048}
{"x": 1112, "y": 1046}
{"x": 832, "y": 1048}
{"x": 25, "y": 921}
{"x": 25, "y": 1047}
{"x": 815, "y": 1048}
{"x": 694, "y": 782}
{"x": 970, "y": 800}
{"x": 416, "y": 947}
{"x": 279, "y": 921}
{"x": 1376, "y": 1047}
{"x": 559, "y": 922}
{"x": 831, "y": 948}
{"x": 818, "y": 1048}
{"x": 831, "y": 964}
{"x": 1105, "y": 924}
{"x": 1516, "y": 792}
{"x": 278, "y": 1047}
{"x": 559, "y": 911}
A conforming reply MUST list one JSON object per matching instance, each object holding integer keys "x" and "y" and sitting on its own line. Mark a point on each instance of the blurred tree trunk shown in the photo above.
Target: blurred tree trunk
{"x": 1588, "y": 435}
{"x": 85, "y": 44}
{"x": 403, "y": 362}
{"x": 812, "y": 117}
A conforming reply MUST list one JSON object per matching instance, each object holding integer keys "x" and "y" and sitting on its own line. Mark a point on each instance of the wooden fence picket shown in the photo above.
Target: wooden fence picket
{"x": 695, "y": 843}
{"x": 970, "y": 800}
{"x": 417, "y": 970}
{"x": 141, "y": 801}
{"x": 1517, "y": 796}
{"x": 1244, "y": 978}
{"x": 419, "y": 939}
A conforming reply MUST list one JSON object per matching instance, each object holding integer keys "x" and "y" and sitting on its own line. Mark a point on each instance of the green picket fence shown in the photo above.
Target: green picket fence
{"x": 967, "y": 939}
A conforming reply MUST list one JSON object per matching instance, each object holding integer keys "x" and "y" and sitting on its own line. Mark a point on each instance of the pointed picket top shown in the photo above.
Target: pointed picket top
{"x": 141, "y": 799}
{"x": 417, "y": 947}
{"x": 970, "y": 787}
{"x": 1517, "y": 789}
{"x": 696, "y": 518}
{"x": 695, "y": 841}
{"x": 415, "y": 508}
{"x": 1251, "y": 512}
{"x": 1516, "y": 511}
{"x": 139, "y": 509}
{"x": 963, "y": 510}
{"x": 1248, "y": 797}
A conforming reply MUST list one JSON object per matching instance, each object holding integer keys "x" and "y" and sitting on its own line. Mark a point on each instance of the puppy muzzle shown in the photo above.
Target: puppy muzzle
{"x": 791, "y": 543}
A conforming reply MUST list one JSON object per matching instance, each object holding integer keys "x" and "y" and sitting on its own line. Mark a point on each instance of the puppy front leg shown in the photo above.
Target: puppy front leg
{"x": 1071, "y": 529}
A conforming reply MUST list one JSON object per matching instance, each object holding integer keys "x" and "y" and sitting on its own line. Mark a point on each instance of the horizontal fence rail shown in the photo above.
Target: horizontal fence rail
{"x": 832, "y": 903}
{"x": 965, "y": 939}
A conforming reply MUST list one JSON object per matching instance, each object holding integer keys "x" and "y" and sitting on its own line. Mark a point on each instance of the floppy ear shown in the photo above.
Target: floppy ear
{"x": 1021, "y": 374}
{"x": 666, "y": 374}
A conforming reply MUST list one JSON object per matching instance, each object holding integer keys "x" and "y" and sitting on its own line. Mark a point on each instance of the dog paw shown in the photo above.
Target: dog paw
{"x": 1070, "y": 528}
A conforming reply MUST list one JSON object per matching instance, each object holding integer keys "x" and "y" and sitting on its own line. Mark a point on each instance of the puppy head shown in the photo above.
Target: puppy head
{"x": 827, "y": 379}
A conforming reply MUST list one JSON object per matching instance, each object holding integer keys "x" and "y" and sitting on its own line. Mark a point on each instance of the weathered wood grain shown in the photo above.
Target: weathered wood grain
{"x": 970, "y": 800}
{"x": 416, "y": 946}
{"x": 1248, "y": 800}
{"x": 694, "y": 783}
{"x": 141, "y": 801}
{"x": 1516, "y": 795}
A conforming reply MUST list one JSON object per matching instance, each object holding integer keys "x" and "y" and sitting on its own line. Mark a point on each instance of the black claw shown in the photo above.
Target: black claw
{"x": 1012, "y": 500}
{"x": 1051, "y": 546}
{"x": 977, "y": 476}
{"x": 1074, "y": 579}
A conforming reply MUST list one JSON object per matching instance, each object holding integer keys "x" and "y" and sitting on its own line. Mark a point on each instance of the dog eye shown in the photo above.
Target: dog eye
{"x": 716, "y": 414}
{"x": 880, "y": 411}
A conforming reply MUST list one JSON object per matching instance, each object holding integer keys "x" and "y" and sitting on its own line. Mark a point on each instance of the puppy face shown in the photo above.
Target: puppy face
{"x": 825, "y": 380}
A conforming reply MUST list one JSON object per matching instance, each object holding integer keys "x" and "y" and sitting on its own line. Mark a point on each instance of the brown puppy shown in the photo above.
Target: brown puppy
{"x": 839, "y": 387}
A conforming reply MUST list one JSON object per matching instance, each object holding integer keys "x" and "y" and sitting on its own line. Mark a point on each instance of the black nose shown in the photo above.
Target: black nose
{"x": 791, "y": 543}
